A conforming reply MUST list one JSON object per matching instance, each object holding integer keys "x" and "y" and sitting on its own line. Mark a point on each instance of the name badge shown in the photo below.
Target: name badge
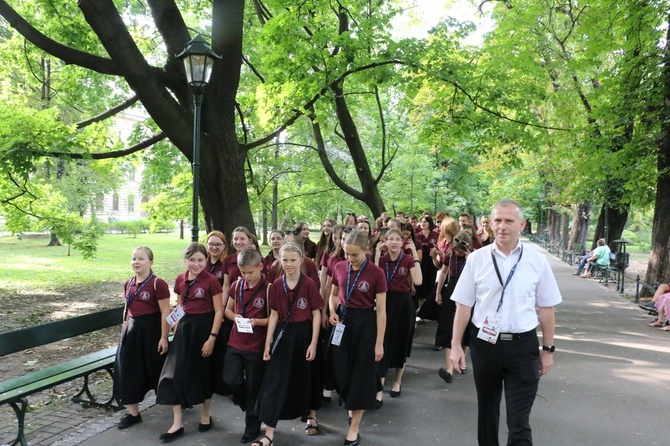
{"x": 243, "y": 325}
{"x": 175, "y": 316}
{"x": 490, "y": 330}
{"x": 337, "y": 334}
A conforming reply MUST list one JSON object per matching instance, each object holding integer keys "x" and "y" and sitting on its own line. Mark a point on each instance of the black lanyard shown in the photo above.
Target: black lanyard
{"x": 350, "y": 290}
{"x": 184, "y": 298}
{"x": 509, "y": 277}
{"x": 241, "y": 296}
{"x": 289, "y": 303}
{"x": 129, "y": 298}
{"x": 390, "y": 278}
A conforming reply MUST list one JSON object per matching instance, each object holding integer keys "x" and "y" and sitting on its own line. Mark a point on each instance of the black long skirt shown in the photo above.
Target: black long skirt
{"x": 291, "y": 385}
{"x": 354, "y": 363}
{"x": 445, "y": 319}
{"x": 187, "y": 377}
{"x": 218, "y": 357}
{"x": 399, "y": 331}
{"x": 138, "y": 364}
{"x": 429, "y": 273}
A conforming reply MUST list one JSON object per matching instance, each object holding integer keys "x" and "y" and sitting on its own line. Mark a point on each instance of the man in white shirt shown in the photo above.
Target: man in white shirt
{"x": 507, "y": 283}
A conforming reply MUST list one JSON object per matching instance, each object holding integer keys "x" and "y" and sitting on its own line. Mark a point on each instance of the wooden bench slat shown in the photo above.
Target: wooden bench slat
{"x": 43, "y": 379}
{"x": 26, "y": 338}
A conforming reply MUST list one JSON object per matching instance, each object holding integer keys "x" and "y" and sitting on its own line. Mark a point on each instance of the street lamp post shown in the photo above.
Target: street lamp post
{"x": 198, "y": 59}
{"x": 436, "y": 187}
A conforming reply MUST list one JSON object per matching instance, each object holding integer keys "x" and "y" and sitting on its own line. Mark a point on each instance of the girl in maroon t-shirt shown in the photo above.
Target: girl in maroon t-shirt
{"x": 358, "y": 314}
{"x": 276, "y": 242}
{"x": 187, "y": 378}
{"x": 216, "y": 248}
{"x": 144, "y": 336}
{"x": 402, "y": 272}
{"x": 291, "y": 386}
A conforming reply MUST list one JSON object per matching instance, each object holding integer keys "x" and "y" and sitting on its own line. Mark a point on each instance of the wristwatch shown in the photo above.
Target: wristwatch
{"x": 549, "y": 348}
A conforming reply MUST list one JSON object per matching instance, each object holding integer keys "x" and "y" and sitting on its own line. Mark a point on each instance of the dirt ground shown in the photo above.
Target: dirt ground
{"x": 24, "y": 309}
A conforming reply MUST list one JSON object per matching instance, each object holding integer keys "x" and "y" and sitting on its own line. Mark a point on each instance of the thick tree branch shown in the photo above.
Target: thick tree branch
{"x": 323, "y": 156}
{"x": 310, "y": 193}
{"x": 111, "y": 112}
{"x": 108, "y": 155}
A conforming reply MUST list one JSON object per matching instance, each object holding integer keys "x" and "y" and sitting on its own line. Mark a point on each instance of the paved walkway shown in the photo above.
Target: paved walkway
{"x": 609, "y": 386}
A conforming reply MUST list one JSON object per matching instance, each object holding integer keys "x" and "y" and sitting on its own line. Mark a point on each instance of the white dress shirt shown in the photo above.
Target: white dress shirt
{"x": 532, "y": 285}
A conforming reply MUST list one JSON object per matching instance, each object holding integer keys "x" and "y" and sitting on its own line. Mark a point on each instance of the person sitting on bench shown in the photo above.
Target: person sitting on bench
{"x": 600, "y": 257}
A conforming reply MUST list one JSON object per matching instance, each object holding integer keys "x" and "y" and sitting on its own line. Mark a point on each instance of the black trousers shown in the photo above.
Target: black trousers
{"x": 243, "y": 374}
{"x": 515, "y": 367}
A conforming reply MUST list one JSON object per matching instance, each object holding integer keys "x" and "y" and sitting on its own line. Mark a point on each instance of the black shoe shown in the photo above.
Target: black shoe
{"x": 169, "y": 436}
{"x": 445, "y": 375}
{"x": 395, "y": 394}
{"x": 129, "y": 420}
{"x": 352, "y": 442}
{"x": 205, "y": 427}
{"x": 438, "y": 348}
{"x": 248, "y": 437}
{"x": 327, "y": 400}
{"x": 378, "y": 404}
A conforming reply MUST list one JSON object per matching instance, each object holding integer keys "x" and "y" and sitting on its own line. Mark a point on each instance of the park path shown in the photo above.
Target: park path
{"x": 609, "y": 386}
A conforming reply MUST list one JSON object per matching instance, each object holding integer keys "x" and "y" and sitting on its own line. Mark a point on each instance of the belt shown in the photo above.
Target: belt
{"x": 515, "y": 336}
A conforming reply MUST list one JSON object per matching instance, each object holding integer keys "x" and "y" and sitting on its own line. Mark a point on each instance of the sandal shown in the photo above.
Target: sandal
{"x": 666, "y": 328}
{"x": 259, "y": 442}
{"x": 656, "y": 323}
{"x": 312, "y": 428}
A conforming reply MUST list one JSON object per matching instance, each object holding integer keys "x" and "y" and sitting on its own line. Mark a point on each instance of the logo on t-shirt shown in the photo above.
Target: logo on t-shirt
{"x": 145, "y": 296}
{"x": 259, "y": 302}
{"x": 402, "y": 271}
{"x": 302, "y": 303}
{"x": 199, "y": 293}
{"x": 219, "y": 274}
{"x": 363, "y": 287}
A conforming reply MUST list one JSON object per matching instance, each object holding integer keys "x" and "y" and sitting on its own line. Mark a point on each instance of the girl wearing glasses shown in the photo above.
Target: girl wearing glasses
{"x": 216, "y": 248}
{"x": 456, "y": 254}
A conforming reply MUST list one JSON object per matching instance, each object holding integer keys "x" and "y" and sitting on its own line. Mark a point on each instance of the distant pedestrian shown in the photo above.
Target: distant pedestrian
{"x": 144, "y": 336}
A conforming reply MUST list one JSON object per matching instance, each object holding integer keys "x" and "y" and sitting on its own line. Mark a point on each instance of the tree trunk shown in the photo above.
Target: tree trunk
{"x": 54, "y": 240}
{"x": 617, "y": 215}
{"x": 658, "y": 269}
{"x": 565, "y": 230}
{"x": 370, "y": 193}
{"x": 580, "y": 224}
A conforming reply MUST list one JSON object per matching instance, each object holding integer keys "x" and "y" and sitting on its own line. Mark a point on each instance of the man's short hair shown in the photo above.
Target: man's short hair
{"x": 601, "y": 242}
{"x": 507, "y": 202}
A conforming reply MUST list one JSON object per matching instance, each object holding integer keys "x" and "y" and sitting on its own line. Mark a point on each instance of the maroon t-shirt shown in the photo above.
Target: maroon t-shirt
{"x": 426, "y": 243}
{"x": 146, "y": 300}
{"x": 196, "y": 295}
{"x": 302, "y": 304}
{"x": 216, "y": 269}
{"x": 230, "y": 267}
{"x": 398, "y": 271}
{"x": 454, "y": 262}
{"x": 252, "y": 304}
{"x": 324, "y": 259}
{"x": 308, "y": 268}
{"x": 268, "y": 261}
{"x": 332, "y": 263}
{"x": 370, "y": 282}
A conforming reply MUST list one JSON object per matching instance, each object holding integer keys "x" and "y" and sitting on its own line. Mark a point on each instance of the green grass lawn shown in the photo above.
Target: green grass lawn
{"x": 30, "y": 263}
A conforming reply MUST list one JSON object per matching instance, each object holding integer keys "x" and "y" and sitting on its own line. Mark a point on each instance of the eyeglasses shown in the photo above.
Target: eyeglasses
{"x": 216, "y": 245}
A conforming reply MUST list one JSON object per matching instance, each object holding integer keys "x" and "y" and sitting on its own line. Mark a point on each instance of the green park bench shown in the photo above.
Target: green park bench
{"x": 15, "y": 391}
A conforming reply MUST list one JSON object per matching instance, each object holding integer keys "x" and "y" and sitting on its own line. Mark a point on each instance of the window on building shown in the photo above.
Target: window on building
{"x": 131, "y": 203}
{"x": 99, "y": 202}
{"x": 115, "y": 202}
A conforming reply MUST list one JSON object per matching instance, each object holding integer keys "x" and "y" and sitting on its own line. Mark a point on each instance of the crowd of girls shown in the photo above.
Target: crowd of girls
{"x": 281, "y": 333}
